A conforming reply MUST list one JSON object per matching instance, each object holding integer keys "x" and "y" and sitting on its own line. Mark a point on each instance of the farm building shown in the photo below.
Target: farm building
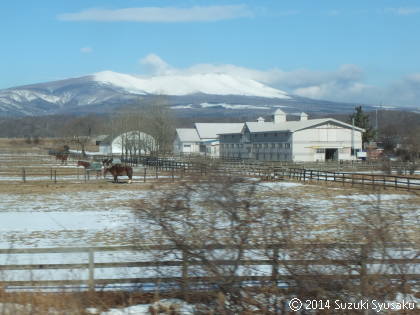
{"x": 203, "y": 139}
{"x": 303, "y": 140}
{"x": 128, "y": 143}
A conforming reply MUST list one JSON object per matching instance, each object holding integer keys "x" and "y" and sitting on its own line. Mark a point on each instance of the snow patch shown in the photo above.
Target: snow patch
{"x": 382, "y": 197}
{"x": 232, "y": 106}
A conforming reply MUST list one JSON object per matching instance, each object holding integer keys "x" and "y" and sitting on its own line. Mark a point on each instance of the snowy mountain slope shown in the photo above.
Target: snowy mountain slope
{"x": 196, "y": 94}
{"x": 109, "y": 88}
{"x": 210, "y": 83}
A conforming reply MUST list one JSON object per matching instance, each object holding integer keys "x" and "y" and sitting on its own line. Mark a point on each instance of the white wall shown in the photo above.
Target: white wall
{"x": 328, "y": 135}
{"x": 186, "y": 147}
{"x": 105, "y": 148}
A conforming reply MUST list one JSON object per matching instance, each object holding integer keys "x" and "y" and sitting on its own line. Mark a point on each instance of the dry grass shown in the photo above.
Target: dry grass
{"x": 36, "y": 159}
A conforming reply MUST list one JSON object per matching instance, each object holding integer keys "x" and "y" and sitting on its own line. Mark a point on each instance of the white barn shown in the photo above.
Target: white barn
{"x": 128, "y": 143}
{"x": 203, "y": 139}
{"x": 303, "y": 140}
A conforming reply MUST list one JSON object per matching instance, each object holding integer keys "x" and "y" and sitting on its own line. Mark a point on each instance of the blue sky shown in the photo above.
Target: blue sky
{"x": 356, "y": 51}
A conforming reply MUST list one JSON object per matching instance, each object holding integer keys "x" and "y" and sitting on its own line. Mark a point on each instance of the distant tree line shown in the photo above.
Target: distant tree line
{"x": 397, "y": 130}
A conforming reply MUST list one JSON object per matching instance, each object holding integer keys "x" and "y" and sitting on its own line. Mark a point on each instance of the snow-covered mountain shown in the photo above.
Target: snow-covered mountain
{"x": 207, "y": 83}
{"x": 214, "y": 93}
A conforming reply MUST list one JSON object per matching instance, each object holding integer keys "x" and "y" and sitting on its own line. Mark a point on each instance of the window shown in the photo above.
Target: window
{"x": 273, "y": 145}
{"x": 260, "y": 145}
{"x": 280, "y": 145}
{"x": 187, "y": 145}
{"x": 287, "y": 145}
{"x": 320, "y": 150}
{"x": 265, "y": 145}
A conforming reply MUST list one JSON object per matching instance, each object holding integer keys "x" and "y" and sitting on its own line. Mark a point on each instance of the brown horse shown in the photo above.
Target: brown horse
{"x": 120, "y": 170}
{"x": 85, "y": 164}
{"x": 62, "y": 156}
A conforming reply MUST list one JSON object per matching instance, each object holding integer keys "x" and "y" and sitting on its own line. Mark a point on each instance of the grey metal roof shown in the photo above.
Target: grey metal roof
{"x": 211, "y": 130}
{"x": 187, "y": 134}
{"x": 293, "y": 126}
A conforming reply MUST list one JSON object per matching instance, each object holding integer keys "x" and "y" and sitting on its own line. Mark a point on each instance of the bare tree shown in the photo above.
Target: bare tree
{"x": 222, "y": 226}
{"x": 145, "y": 129}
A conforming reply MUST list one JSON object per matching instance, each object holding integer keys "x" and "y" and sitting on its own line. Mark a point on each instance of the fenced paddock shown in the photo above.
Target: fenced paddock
{"x": 267, "y": 263}
{"x": 44, "y": 168}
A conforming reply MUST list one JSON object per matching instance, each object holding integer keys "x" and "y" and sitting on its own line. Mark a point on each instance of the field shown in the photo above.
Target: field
{"x": 69, "y": 211}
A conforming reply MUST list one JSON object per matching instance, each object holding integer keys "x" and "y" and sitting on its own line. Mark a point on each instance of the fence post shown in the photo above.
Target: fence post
{"x": 275, "y": 266}
{"x": 184, "y": 286}
{"x": 51, "y": 173}
{"x": 144, "y": 174}
{"x": 23, "y": 174}
{"x": 55, "y": 176}
{"x": 173, "y": 175}
{"x": 363, "y": 271}
{"x": 91, "y": 281}
{"x": 157, "y": 176}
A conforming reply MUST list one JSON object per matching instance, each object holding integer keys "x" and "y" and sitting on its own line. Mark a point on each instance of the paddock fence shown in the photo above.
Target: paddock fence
{"x": 188, "y": 274}
{"x": 167, "y": 169}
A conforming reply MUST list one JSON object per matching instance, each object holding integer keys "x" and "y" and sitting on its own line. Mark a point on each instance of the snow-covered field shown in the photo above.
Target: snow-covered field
{"x": 76, "y": 214}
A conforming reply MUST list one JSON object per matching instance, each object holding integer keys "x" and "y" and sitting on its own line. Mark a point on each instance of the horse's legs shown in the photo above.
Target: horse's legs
{"x": 130, "y": 176}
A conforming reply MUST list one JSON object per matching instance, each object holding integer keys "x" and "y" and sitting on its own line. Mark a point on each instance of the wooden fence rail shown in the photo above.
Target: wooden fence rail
{"x": 184, "y": 279}
{"x": 175, "y": 168}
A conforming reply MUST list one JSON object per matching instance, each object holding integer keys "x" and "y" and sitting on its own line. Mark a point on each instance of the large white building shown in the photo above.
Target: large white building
{"x": 302, "y": 140}
{"x": 203, "y": 139}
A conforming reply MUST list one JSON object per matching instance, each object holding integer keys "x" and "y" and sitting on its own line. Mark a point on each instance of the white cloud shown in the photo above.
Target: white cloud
{"x": 404, "y": 10}
{"x": 161, "y": 14}
{"x": 86, "y": 50}
{"x": 345, "y": 84}
{"x": 153, "y": 64}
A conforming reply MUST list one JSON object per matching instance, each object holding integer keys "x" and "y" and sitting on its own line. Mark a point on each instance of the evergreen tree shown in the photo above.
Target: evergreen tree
{"x": 361, "y": 120}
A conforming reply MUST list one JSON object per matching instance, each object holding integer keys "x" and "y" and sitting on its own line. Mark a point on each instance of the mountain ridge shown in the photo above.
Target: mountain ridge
{"x": 195, "y": 94}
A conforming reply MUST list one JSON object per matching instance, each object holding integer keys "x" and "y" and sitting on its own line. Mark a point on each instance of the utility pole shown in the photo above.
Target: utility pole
{"x": 377, "y": 123}
{"x": 352, "y": 137}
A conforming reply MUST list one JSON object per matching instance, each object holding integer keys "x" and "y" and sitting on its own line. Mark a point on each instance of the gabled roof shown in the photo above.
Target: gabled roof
{"x": 187, "y": 134}
{"x": 211, "y": 130}
{"x": 293, "y": 126}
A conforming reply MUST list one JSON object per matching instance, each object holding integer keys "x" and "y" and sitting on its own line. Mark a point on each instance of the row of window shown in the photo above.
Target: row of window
{"x": 260, "y": 156}
{"x": 256, "y": 145}
{"x": 275, "y": 134}
{"x": 255, "y": 135}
